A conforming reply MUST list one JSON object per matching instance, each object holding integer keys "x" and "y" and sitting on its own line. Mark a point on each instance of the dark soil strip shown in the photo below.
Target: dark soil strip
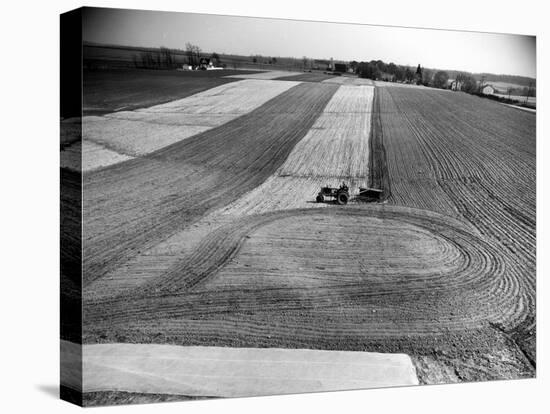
{"x": 378, "y": 169}
{"x": 131, "y": 206}
{"x": 106, "y": 91}
{"x": 306, "y": 77}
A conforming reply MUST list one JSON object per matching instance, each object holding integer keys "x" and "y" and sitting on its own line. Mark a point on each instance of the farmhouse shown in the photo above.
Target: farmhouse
{"x": 488, "y": 90}
{"x": 323, "y": 64}
{"x": 205, "y": 63}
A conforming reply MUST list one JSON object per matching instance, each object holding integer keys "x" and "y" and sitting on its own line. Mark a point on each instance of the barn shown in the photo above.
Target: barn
{"x": 340, "y": 67}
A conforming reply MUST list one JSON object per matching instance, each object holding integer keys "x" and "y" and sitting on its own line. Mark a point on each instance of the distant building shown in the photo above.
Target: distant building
{"x": 205, "y": 63}
{"x": 488, "y": 90}
{"x": 340, "y": 67}
{"x": 321, "y": 64}
{"x": 329, "y": 65}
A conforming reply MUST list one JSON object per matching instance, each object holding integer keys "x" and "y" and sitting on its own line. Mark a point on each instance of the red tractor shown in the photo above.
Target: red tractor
{"x": 340, "y": 194}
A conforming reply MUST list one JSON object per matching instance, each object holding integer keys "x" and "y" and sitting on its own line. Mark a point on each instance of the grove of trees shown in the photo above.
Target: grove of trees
{"x": 467, "y": 83}
{"x": 377, "y": 69}
{"x": 164, "y": 58}
{"x": 440, "y": 79}
{"x": 390, "y": 72}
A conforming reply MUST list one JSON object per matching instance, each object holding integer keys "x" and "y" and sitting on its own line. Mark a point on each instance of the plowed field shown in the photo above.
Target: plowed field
{"x": 475, "y": 160}
{"x": 264, "y": 75}
{"x": 133, "y": 205}
{"x": 421, "y": 282}
{"x": 347, "y": 80}
{"x": 336, "y": 148}
{"x": 444, "y": 270}
{"x": 307, "y": 77}
{"x": 107, "y": 90}
{"x": 118, "y": 136}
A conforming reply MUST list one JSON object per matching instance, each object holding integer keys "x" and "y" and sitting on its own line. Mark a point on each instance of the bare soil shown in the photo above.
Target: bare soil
{"x": 335, "y": 149}
{"x": 429, "y": 287}
{"x": 106, "y": 91}
{"x": 307, "y": 77}
{"x": 475, "y": 160}
{"x": 444, "y": 271}
{"x": 138, "y": 203}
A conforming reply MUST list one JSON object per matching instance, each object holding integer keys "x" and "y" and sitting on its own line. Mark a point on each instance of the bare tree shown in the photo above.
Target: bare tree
{"x": 168, "y": 57}
{"x": 305, "y": 60}
{"x": 193, "y": 53}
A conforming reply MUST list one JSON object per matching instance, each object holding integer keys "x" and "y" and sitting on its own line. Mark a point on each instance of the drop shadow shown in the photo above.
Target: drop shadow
{"x": 49, "y": 390}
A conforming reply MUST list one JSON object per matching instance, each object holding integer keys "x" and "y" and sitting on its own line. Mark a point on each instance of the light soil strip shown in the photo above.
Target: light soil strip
{"x": 347, "y": 80}
{"x": 237, "y": 372}
{"x": 334, "y": 150}
{"x": 265, "y": 75}
{"x": 140, "y": 132}
{"x": 384, "y": 84}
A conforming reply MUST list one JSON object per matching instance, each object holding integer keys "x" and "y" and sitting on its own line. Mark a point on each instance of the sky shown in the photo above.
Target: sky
{"x": 442, "y": 49}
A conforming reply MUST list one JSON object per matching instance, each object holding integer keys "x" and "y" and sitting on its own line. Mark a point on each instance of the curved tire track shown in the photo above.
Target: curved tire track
{"x": 422, "y": 302}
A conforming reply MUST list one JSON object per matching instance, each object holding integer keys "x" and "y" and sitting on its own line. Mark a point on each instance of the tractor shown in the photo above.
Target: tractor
{"x": 340, "y": 194}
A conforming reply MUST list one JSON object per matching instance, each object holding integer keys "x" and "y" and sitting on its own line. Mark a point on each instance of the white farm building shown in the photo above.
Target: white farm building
{"x": 488, "y": 90}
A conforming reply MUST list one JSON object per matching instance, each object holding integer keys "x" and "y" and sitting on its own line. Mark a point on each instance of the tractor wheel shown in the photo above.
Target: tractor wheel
{"x": 342, "y": 198}
{"x": 320, "y": 198}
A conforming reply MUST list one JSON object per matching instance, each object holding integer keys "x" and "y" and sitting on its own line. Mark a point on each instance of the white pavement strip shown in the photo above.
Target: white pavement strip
{"x": 127, "y": 134}
{"x": 273, "y": 74}
{"x": 236, "y": 372}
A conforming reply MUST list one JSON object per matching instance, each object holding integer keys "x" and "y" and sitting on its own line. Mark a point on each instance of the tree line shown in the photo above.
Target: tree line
{"x": 390, "y": 72}
{"x": 165, "y": 58}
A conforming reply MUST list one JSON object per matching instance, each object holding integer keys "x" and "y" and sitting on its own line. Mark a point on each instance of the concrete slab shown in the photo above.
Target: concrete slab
{"x": 238, "y": 372}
